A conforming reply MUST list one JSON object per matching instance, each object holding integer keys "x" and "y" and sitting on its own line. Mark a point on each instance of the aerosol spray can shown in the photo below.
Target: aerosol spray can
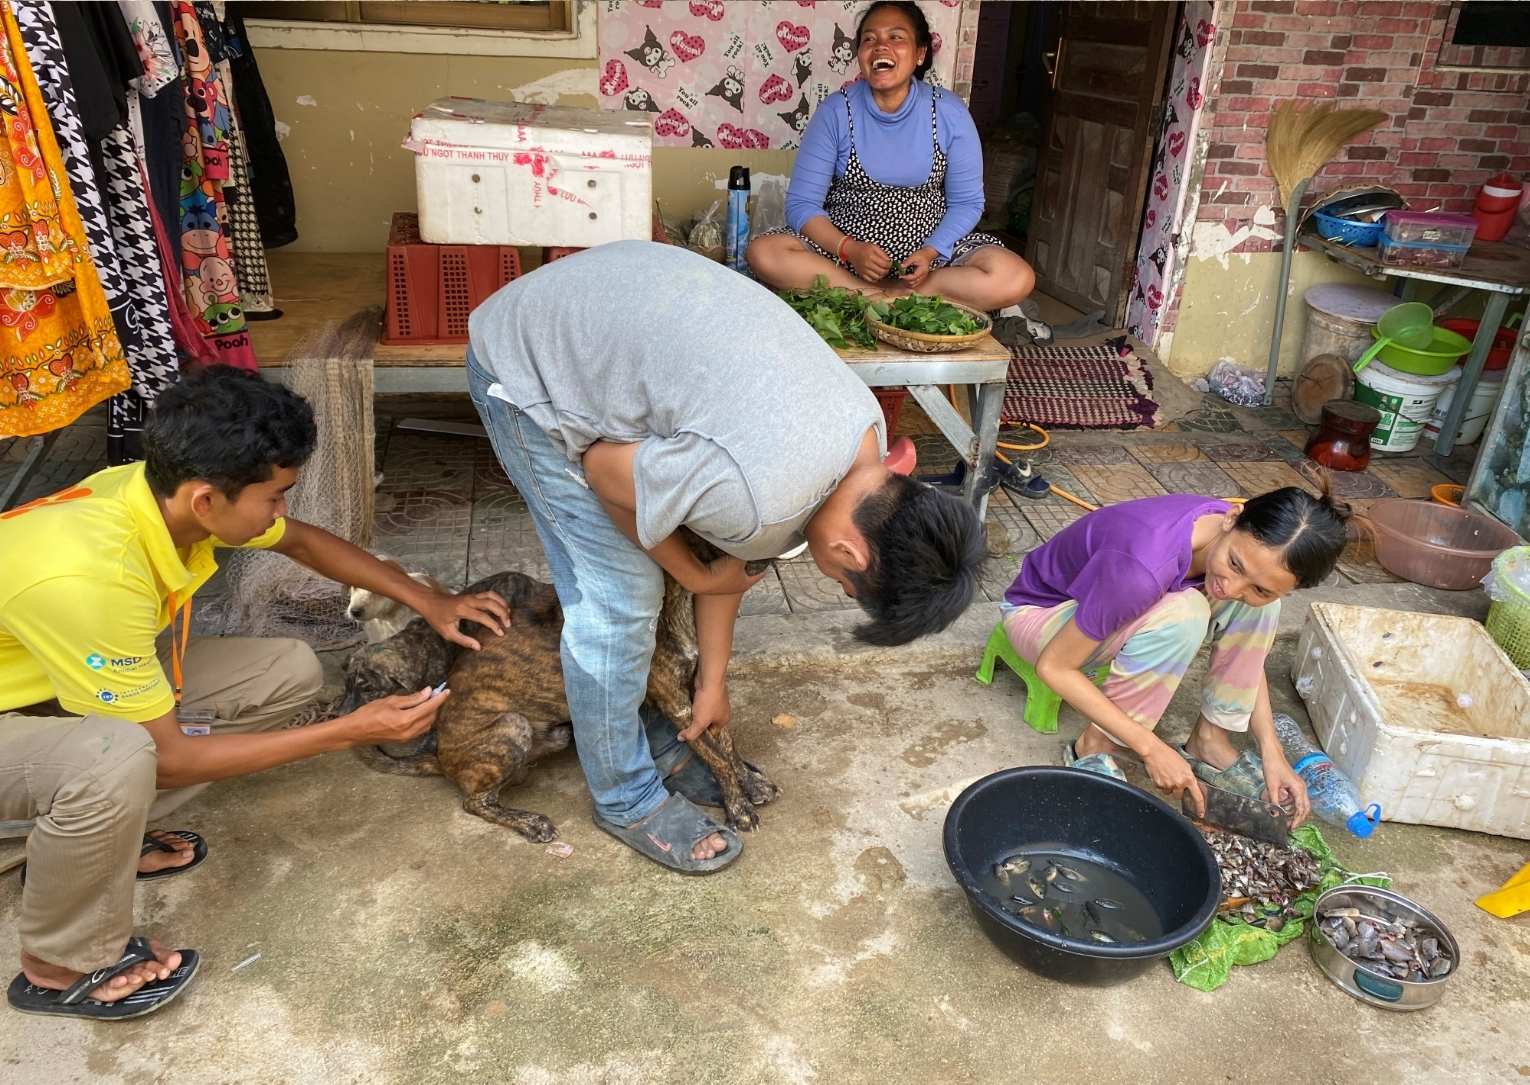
{"x": 737, "y": 239}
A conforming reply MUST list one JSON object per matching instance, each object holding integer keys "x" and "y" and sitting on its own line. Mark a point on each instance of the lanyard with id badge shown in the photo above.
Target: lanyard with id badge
{"x": 192, "y": 721}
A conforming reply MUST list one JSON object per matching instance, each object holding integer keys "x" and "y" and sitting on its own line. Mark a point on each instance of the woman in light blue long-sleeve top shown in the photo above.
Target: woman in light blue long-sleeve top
{"x": 888, "y": 184}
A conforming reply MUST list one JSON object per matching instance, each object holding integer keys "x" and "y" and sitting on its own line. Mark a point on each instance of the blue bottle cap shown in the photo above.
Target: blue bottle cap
{"x": 1361, "y": 824}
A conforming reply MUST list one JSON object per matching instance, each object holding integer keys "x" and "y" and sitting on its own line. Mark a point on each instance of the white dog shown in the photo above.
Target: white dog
{"x": 381, "y": 617}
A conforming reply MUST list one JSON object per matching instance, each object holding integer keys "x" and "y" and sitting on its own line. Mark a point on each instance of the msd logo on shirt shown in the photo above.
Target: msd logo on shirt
{"x": 96, "y": 661}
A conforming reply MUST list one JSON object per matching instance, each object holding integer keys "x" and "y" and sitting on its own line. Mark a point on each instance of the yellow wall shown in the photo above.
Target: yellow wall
{"x": 1229, "y": 312}
{"x": 349, "y": 112}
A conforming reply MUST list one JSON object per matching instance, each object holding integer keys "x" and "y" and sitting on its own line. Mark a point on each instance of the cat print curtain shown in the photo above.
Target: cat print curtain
{"x": 745, "y": 76}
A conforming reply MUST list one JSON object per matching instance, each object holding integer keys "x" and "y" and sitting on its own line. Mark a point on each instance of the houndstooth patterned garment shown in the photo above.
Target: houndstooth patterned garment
{"x": 120, "y": 234}
{"x": 154, "y": 363}
{"x": 898, "y": 219}
{"x": 40, "y": 34}
{"x": 249, "y": 250}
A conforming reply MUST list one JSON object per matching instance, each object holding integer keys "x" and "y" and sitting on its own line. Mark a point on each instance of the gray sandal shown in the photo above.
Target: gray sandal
{"x": 669, "y": 833}
{"x": 1245, "y": 776}
{"x": 1099, "y": 763}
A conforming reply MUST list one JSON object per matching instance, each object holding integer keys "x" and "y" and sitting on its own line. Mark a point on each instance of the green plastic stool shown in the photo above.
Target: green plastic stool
{"x": 1042, "y": 704}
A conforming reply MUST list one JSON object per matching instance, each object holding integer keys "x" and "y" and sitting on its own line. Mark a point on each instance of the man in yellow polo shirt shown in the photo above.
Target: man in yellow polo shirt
{"x": 94, "y": 575}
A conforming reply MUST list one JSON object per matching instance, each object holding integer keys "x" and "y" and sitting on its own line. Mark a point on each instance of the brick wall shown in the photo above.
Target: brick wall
{"x": 966, "y": 48}
{"x": 1446, "y": 132}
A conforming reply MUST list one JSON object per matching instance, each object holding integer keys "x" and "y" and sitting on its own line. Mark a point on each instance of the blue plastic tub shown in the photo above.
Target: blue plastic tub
{"x": 1362, "y": 235}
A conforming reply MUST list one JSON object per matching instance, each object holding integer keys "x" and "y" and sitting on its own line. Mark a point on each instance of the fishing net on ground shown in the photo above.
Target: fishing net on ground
{"x": 268, "y": 595}
{"x": 1230, "y": 940}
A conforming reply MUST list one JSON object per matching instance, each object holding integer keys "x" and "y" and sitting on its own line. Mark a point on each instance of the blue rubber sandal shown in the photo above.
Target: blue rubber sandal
{"x": 1100, "y": 763}
{"x": 1245, "y": 776}
{"x": 669, "y": 833}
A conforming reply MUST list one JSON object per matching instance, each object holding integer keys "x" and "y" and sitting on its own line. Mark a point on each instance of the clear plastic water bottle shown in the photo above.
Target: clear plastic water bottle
{"x": 1333, "y": 795}
{"x": 736, "y": 240}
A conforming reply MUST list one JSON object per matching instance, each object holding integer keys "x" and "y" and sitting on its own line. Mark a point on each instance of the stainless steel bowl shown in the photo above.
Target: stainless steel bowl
{"x": 1364, "y": 983}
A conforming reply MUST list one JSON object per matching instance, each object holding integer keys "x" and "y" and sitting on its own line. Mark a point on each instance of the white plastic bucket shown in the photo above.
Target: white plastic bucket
{"x": 1478, "y": 408}
{"x": 1404, "y": 400}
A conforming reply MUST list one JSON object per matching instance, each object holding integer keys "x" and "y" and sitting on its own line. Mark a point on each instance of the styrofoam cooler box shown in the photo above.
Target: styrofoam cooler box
{"x": 1423, "y": 712}
{"x": 514, "y": 173}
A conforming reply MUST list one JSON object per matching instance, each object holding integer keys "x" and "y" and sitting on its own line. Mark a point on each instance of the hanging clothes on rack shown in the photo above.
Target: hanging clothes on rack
{"x": 209, "y": 281}
{"x": 98, "y": 78}
{"x": 249, "y": 251}
{"x": 62, "y": 355}
{"x": 275, "y": 204}
{"x": 157, "y": 119}
{"x": 156, "y": 52}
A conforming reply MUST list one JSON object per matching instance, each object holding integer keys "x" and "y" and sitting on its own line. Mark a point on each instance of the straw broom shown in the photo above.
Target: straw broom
{"x": 1300, "y": 142}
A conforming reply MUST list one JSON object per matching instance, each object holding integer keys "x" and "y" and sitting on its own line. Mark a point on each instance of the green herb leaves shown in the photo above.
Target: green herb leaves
{"x": 836, "y": 314}
{"x": 929, "y": 315}
{"x": 839, "y": 315}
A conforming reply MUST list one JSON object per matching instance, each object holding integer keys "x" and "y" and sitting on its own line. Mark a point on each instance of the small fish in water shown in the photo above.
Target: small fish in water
{"x": 1068, "y": 872}
{"x": 1015, "y": 864}
{"x": 1063, "y": 887}
{"x": 1106, "y": 903}
{"x": 1038, "y": 890}
{"x": 1023, "y": 901}
{"x": 1038, "y": 915}
{"x": 1101, "y": 936}
{"x": 1052, "y": 870}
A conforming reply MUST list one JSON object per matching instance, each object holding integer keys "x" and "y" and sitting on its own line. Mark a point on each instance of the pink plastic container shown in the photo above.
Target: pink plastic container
{"x": 1433, "y": 227}
{"x": 1435, "y": 545}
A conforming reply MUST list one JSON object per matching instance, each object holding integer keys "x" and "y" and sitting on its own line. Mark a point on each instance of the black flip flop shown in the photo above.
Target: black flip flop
{"x": 75, "y": 1002}
{"x": 198, "y": 853}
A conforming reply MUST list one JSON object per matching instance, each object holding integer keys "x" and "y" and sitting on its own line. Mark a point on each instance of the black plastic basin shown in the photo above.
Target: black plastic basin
{"x": 1092, "y": 817}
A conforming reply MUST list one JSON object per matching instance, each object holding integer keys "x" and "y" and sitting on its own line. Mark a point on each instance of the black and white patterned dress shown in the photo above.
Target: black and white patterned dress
{"x": 113, "y": 208}
{"x": 899, "y": 219}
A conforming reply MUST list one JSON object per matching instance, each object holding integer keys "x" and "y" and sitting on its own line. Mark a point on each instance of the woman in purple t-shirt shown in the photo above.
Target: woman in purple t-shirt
{"x": 1139, "y": 586}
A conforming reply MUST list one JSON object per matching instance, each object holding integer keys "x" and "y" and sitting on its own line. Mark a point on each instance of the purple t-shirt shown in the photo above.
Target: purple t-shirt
{"x": 1116, "y": 563}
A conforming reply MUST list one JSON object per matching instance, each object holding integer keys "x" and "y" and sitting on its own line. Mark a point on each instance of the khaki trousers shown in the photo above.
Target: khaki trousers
{"x": 87, "y": 787}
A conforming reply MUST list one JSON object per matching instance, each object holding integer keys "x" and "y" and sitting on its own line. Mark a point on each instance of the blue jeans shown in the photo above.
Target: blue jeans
{"x": 611, "y": 592}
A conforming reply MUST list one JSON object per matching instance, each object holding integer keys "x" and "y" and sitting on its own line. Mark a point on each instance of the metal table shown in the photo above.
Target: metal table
{"x": 1500, "y": 270}
{"x": 981, "y": 369}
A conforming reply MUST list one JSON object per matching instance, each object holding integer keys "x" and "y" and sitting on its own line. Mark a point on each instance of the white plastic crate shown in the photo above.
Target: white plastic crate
{"x": 513, "y": 173}
{"x": 1424, "y": 713}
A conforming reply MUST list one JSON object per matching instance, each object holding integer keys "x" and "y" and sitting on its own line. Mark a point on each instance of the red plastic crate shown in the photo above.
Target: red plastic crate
{"x": 433, "y": 288}
{"x": 891, "y": 401}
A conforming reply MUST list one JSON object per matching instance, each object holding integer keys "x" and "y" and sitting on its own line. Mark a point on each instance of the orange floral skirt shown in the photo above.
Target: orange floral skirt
{"x": 59, "y": 352}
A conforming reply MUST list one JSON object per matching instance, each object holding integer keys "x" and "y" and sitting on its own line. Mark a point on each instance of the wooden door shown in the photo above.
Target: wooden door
{"x": 1109, "y": 69}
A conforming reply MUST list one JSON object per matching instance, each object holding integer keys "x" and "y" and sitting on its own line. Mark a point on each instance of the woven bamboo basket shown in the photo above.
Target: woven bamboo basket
{"x": 922, "y": 343}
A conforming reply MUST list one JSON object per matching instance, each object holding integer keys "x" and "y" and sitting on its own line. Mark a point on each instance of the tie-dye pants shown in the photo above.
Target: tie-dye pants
{"x": 1148, "y": 657}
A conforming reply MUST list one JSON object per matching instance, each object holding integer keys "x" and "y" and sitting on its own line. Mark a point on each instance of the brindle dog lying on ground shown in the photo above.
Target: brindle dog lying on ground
{"x": 508, "y": 708}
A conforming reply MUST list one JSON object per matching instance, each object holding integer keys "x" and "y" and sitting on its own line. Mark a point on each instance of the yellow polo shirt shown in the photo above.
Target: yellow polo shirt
{"x": 88, "y": 576}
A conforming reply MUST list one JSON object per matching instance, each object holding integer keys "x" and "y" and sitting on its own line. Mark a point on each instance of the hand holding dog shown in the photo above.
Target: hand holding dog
{"x": 723, "y": 576}
{"x": 709, "y": 706}
{"x": 444, "y": 612}
{"x": 394, "y": 719}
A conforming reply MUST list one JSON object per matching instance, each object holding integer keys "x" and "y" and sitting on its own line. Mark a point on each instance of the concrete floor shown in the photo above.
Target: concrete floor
{"x": 397, "y": 939}
{"x": 402, "y": 940}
